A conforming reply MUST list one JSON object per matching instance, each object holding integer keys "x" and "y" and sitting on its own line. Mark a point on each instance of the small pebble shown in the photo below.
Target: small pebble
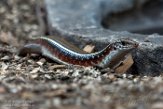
{"x": 41, "y": 62}
{"x": 56, "y": 102}
{"x": 35, "y": 70}
{"x": 158, "y": 105}
{"x": 135, "y": 80}
{"x": 2, "y": 89}
{"x": 112, "y": 77}
{"x": 34, "y": 76}
{"x": 16, "y": 57}
{"x": 5, "y": 58}
{"x": 48, "y": 76}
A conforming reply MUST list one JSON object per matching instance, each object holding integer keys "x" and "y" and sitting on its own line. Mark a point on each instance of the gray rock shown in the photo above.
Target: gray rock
{"x": 79, "y": 21}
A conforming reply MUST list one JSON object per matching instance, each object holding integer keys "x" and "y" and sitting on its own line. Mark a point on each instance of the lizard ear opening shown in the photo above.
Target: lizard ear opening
{"x": 114, "y": 48}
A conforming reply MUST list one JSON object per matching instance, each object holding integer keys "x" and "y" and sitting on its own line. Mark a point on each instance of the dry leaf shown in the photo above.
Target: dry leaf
{"x": 27, "y": 95}
{"x": 127, "y": 63}
{"x": 57, "y": 67}
{"x": 89, "y": 48}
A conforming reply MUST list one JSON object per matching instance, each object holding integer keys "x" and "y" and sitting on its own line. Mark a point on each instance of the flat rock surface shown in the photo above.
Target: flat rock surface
{"x": 80, "y": 22}
{"x": 37, "y": 83}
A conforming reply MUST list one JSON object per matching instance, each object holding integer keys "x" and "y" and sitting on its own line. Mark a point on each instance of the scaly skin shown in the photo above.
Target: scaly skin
{"x": 107, "y": 57}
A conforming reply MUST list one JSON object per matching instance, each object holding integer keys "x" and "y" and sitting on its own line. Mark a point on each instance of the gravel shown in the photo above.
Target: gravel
{"x": 35, "y": 82}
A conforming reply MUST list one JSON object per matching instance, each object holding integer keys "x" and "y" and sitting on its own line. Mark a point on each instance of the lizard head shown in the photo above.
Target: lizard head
{"x": 120, "y": 49}
{"x": 124, "y": 44}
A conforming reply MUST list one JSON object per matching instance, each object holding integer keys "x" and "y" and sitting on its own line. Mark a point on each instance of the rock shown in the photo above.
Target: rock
{"x": 79, "y": 21}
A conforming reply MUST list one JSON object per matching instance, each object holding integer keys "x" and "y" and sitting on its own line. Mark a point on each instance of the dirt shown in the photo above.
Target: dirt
{"x": 35, "y": 82}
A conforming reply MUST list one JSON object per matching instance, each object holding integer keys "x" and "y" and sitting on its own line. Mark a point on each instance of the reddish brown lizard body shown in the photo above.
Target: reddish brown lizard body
{"x": 107, "y": 57}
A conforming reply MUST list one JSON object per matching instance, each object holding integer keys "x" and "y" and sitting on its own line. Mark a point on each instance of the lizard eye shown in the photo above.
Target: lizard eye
{"x": 136, "y": 45}
{"x": 123, "y": 43}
